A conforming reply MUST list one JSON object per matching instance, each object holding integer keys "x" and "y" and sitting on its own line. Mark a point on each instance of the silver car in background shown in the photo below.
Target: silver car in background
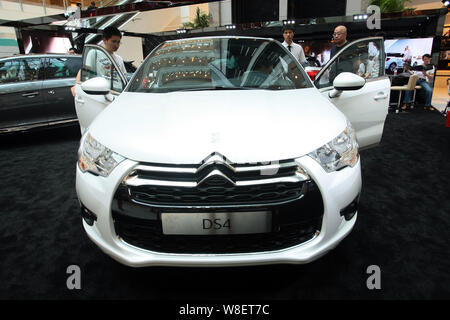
{"x": 35, "y": 91}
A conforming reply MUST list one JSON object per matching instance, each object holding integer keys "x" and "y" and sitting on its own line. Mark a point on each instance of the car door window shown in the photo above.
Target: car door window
{"x": 29, "y": 69}
{"x": 9, "y": 71}
{"x": 63, "y": 67}
{"x": 19, "y": 70}
{"x": 96, "y": 63}
{"x": 364, "y": 58}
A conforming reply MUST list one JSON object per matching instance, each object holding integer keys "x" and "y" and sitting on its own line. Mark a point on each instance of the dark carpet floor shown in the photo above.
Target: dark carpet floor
{"x": 403, "y": 227}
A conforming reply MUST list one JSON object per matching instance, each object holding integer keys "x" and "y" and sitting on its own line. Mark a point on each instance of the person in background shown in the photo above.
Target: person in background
{"x": 295, "y": 49}
{"x": 92, "y": 6}
{"x": 425, "y": 80}
{"x": 339, "y": 39}
{"x": 363, "y": 65}
{"x": 407, "y": 55}
{"x": 111, "y": 41}
{"x": 374, "y": 56}
{"x": 403, "y": 79}
{"x": 91, "y": 9}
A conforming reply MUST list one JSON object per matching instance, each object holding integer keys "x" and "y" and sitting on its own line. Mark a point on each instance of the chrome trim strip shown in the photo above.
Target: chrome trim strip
{"x": 194, "y": 170}
{"x": 33, "y": 126}
{"x": 271, "y": 166}
{"x": 298, "y": 177}
{"x": 147, "y": 168}
{"x": 135, "y": 181}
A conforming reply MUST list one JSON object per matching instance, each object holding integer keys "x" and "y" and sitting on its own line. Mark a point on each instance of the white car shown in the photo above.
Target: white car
{"x": 221, "y": 151}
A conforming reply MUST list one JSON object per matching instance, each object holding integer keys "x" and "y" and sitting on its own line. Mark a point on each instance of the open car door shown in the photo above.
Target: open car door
{"x": 97, "y": 63}
{"x": 367, "y": 107}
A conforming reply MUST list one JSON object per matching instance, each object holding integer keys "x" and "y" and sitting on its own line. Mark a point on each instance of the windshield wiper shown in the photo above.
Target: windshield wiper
{"x": 216, "y": 88}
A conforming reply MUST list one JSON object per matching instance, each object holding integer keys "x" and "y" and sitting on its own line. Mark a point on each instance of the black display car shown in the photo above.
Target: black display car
{"x": 35, "y": 91}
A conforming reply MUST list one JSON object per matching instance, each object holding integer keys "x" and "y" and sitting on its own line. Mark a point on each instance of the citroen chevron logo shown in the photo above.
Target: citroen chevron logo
{"x": 214, "y": 159}
{"x": 217, "y": 159}
{"x": 217, "y": 173}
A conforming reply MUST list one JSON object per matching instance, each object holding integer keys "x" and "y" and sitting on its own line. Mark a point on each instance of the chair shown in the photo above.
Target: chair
{"x": 417, "y": 87}
{"x": 446, "y": 112}
{"x": 411, "y": 86}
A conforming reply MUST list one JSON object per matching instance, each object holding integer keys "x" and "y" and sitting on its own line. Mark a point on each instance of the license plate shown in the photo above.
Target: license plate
{"x": 217, "y": 223}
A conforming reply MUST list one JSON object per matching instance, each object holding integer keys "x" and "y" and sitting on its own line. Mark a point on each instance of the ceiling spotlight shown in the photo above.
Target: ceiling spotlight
{"x": 446, "y": 3}
{"x": 288, "y": 22}
{"x": 181, "y": 31}
{"x": 230, "y": 26}
{"x": 360, "y": 17}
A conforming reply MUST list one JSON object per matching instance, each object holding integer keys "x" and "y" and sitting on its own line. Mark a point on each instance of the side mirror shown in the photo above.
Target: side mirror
{"x": 97, "y": 85}
{"x": 346, "y": 81}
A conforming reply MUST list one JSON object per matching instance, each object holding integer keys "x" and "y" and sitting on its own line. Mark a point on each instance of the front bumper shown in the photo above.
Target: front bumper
{"x": 338, "y": 190}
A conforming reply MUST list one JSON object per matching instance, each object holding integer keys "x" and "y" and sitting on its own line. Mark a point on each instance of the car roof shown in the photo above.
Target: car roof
{"x": 40, "y": 55}
{"x": 219, "y": 37}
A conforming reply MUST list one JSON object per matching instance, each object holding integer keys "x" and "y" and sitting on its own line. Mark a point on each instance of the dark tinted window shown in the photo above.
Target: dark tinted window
{"x": 63, "y": 67}
{"x": 19, "y": 70}
{"x": 30, "y": 69}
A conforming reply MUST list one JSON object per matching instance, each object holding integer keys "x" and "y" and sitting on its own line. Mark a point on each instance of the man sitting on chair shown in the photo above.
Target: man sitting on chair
{"x": 426, "y": 75}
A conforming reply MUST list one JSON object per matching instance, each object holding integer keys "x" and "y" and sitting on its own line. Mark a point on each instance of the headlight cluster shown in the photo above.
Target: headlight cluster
{"x": 96, "y": 158}
{"x": 340, "y": 152}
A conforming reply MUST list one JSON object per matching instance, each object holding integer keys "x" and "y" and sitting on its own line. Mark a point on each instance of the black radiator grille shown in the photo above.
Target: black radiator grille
{"x": 148, "y": 235}
{"x": 217, "y": 195}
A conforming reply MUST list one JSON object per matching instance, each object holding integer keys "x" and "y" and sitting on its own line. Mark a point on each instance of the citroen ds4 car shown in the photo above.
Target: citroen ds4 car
{"x": 220, "y": 151}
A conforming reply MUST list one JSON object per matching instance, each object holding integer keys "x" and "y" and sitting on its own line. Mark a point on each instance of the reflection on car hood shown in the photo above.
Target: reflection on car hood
{"x": 243, "y": 125}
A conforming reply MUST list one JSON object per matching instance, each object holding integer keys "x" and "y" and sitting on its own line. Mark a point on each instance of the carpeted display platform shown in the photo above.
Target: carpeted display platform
{"x": 403, "y": 227}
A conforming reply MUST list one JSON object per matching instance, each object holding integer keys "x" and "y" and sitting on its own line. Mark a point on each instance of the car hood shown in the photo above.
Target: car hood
{"x": 242, "y": 125}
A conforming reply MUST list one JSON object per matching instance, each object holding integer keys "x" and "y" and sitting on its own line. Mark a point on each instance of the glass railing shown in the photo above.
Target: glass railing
{"x": 59, "y": 4}
{"x": 63, "y": 4}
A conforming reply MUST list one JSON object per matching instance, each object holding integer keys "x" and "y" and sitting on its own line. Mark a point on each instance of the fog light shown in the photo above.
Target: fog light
{"x": 349, "y": 211}
{"x": 88, "y": 216}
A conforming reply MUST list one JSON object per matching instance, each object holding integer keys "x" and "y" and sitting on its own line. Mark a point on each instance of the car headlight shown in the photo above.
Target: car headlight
{"x": 96, "y": 158}
{"x": 340, "y": 152}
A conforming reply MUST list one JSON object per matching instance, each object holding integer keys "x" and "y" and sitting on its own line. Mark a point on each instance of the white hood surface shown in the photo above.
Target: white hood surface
{"x": 242, "y": 125}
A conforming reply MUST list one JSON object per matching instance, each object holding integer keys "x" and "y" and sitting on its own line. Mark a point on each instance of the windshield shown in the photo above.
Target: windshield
{"x": 219, "y": 64}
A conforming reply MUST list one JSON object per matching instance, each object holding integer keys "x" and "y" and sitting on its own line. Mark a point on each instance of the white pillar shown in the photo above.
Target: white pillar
{"x": 184, "y": 14}
{"x": 226, "y": 16}
{"x": 354, "y": 7}
{"x": 283, "y": 10}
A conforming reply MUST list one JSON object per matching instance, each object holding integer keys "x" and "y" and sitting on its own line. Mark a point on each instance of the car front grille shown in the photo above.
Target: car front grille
{"x": 283, "y": 189}
{"x": 217, "y": 184}
{"x": 216, "y": 195}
